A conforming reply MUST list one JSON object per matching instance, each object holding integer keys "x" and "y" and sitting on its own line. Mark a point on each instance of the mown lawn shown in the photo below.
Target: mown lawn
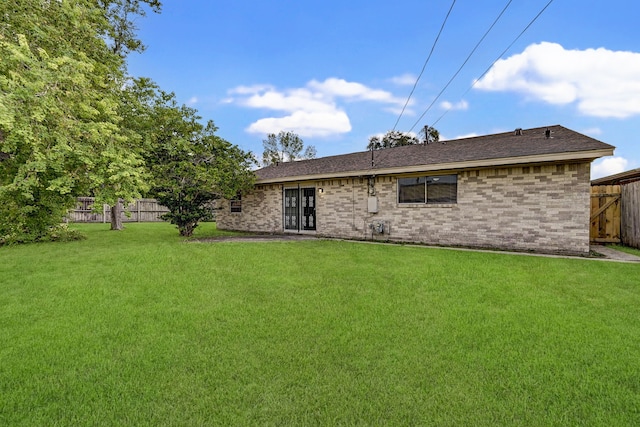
{"x": 140, "y": 328}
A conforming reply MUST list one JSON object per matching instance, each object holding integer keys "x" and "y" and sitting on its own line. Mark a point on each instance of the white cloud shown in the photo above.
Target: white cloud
{"x": 193, "y": 100}
{"x": 246, "y": 90}
{"x": 305, "y": 124}
{"x": 333, "y": 87}
{"x": 608, "y": 166}
{"x": 294, "y": 100}
{"x": 466, "y": 135}
{"x": 462, "y": 105}
{"x": 404, "y": 80}
{"x": 312, "y": 110}
{"x": 592, "y": 131}
{"x": 602, "y": 83}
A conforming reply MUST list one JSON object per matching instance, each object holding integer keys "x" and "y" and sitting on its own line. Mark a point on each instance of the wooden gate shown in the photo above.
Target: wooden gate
{"x": 605, "y": 214}
{"x": 631, "y": 214}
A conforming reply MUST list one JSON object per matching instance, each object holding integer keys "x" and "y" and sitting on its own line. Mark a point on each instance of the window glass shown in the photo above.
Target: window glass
{"x": 442, "y": 189}
{"x": 428, "y": 189}
{"x": 412, "y": 190}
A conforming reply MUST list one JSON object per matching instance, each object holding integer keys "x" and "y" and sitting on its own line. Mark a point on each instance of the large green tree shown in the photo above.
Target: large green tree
{"x": 285, "y": 147}
{"x": 121, "y": 26}
{"x": 190, "y": 165}
{"x": 395, "y": 138}
{"x": 60, "y": 133}
{"x": 120, "y": 31}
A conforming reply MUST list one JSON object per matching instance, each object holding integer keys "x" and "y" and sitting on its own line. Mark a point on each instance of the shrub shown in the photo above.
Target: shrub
{"x": 57, "y": 233}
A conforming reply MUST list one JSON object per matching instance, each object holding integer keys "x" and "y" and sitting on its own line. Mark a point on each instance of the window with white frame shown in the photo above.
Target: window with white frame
{"x": 438, "y": 189}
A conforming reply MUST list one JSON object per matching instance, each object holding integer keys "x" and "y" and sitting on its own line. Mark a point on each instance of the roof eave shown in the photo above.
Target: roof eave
{"x": 471, "y": 164}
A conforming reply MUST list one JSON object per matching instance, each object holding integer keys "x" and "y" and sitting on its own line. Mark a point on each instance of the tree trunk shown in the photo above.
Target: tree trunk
{"x": 186, "y": 230}
{"x": 116, "y": 216}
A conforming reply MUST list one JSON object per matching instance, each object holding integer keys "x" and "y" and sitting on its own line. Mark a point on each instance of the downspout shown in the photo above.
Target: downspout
{"x": 353, "y": 205}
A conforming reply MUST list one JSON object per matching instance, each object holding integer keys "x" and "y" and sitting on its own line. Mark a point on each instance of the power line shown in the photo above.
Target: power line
{"x": 425, "y": 64}
{"x": 496, "y": 60}
{"x": 464, "y": 63}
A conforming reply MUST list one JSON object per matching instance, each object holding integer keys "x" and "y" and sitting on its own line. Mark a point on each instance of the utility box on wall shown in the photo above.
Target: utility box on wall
{"x": 372, "y": 205}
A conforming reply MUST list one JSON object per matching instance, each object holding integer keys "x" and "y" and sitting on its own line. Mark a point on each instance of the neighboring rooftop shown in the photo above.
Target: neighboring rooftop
{"x": 619, "y": 178}
{"x": 516, "y": 147}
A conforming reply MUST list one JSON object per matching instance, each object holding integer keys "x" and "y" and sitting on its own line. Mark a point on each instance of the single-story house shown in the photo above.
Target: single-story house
{"x": 527, "y": 190}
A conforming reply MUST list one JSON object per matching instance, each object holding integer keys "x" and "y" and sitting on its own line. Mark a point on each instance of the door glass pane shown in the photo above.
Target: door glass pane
{"x": 309, "y": 211}
{"x": 290, "y": 209}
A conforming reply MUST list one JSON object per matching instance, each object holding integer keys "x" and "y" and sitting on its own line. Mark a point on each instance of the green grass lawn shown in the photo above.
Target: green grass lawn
{"x": 141, "y": 328}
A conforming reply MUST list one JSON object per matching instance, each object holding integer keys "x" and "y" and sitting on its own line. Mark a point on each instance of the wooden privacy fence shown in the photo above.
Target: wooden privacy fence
{"x": 142, "y": 210}
{"x": 605, "y": 214}
{"x": 630, "y": 214}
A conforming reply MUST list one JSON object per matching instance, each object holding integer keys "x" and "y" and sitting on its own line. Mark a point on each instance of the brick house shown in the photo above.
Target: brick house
{"x": 526, "y": 190}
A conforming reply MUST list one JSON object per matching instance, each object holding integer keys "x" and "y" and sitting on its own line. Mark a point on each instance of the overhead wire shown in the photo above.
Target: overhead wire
{"x": 496, "y": 60}
{"x": 425, "y": 64}
{"x": 463, "y": 64}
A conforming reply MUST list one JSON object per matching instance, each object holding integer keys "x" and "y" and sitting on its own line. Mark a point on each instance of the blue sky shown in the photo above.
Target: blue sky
{"x": 338, "y": 72}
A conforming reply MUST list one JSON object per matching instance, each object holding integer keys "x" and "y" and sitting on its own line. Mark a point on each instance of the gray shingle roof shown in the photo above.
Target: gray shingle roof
{"x": 532, "y": 142}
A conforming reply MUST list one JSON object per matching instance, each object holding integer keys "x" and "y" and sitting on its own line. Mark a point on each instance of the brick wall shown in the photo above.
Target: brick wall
{"x": 261, "y": 211}
{"x": 541, "y": 208}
